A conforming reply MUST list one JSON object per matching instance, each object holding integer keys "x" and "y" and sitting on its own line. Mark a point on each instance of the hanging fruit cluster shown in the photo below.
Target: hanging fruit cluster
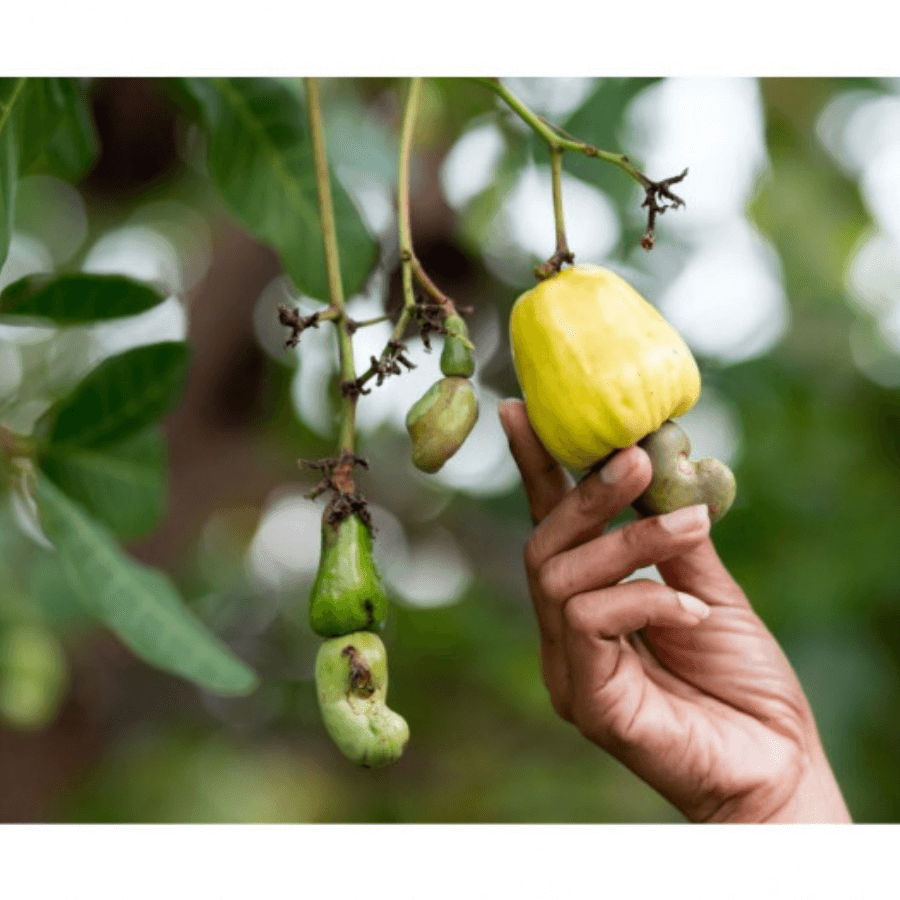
{"x": 348, "y": 604}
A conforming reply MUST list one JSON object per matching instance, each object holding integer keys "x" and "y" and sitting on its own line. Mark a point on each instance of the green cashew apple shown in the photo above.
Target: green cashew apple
{"x": 456, "y": 357}
{"x": 348, "y": 594}
{"x": 678, "y": 481}
{"x": 440, "y": 421}
{"x": 351, "y": 685}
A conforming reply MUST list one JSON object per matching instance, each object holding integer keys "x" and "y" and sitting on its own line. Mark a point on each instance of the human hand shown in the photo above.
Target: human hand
{"x": 682, "y": 682}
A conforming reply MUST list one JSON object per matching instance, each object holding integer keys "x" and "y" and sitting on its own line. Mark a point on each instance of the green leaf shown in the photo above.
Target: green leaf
{"x": 121, "y": 396}
{"x": 49, "y": 589}
{"x": 122, "y": 486}
{"x": 138, "y": 603}
{"x": 77, "y": 297}
{"x": 75, "y": 145}
{"x": 39, "y": 117}
{"x": 12, "y": 92}
{"x": 261, "y": 161}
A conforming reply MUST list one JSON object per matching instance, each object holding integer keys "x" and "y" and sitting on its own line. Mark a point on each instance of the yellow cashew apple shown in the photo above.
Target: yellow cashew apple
{"x": 599, "y": 367}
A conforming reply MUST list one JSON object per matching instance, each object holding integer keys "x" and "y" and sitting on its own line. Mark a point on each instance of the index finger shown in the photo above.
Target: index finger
{"x": 545, "y": 480}
{"x": 585, "y": 512}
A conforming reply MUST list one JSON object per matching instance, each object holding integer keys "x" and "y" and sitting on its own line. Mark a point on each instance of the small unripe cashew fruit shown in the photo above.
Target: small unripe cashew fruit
{"x": 456, "y": 357}
{"x": 351, "y": 685}
{"x": 440, "y": 421}
{"x": 348, "y": 594}
{"x": 678, "y": 481}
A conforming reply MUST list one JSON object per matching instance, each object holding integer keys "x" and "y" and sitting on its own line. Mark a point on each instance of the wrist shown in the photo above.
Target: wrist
{"x": 816, "y": 799}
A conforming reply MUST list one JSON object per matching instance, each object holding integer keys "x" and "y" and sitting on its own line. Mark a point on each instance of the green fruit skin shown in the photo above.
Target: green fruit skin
{"x": 348, "y": 594}
{"x": 359, "y": 722}
{"x": 678, "y": 481}
{"x": 440, "y": 421}
{"x": 456, "y": 357}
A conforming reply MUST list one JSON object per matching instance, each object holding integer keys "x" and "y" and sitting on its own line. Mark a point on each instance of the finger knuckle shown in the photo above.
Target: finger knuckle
{"x": 552, "y": 579}
{"x": 632, "y": 540}
{"x": 640, "y": 543}
{"x": 590, "y": 496}
{"x": 532, "y": 555}
{"x": 578, "y": 614}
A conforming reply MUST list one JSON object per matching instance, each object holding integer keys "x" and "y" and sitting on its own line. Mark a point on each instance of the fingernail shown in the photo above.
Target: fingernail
{"x": 691, "y": 604}
{"x": 617, "y": 468}
{"x": 687, "y": 519}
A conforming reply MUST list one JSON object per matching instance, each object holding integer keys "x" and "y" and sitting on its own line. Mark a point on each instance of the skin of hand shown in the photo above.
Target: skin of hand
{"x": 682, "y": 682}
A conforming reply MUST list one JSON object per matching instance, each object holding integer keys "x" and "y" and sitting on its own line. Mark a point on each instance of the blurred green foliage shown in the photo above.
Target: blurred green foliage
{"x": 813, "y": 538}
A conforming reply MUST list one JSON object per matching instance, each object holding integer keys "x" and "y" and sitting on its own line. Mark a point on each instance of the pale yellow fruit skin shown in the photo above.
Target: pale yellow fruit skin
{"x": 599, "y": 367}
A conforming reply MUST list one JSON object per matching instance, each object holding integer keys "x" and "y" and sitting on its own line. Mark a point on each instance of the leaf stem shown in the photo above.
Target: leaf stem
{"x": 332, "y": 263}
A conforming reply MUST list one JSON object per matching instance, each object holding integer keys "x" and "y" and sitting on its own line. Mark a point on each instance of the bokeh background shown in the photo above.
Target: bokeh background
{"x": 782, "y": 273}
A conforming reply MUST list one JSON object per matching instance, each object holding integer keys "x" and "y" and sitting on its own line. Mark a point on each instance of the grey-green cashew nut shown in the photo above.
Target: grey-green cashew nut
{"x": 679, "y": 481}
{"x": 351, "y": 685}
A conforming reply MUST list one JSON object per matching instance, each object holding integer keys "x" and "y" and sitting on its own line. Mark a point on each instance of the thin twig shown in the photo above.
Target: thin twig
{"x": 559, "y": 141}
{"x": 292, "y": 319}
{"x": 393, "y": 356}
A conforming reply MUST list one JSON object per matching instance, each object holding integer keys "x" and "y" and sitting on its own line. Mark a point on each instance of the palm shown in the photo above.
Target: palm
{"x": 717, "y": 706}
